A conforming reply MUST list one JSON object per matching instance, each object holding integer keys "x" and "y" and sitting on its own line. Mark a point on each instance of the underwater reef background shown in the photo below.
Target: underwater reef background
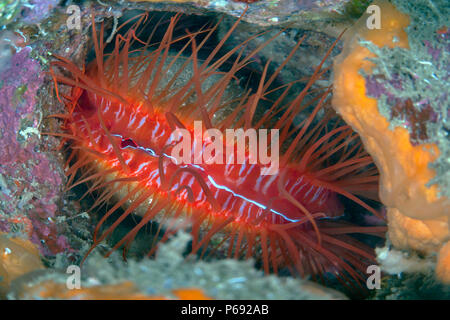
{"x": 391, "y": 87}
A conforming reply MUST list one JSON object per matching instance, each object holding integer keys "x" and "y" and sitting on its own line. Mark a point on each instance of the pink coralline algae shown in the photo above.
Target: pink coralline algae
{"x": 30, "y": 180}
{"x": 36, "y": 10}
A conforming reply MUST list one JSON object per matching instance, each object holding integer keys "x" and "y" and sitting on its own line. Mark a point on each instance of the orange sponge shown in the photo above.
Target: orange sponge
{"x": 418, "y": 216}
{"x": 17, "y": 257}
{"x": 126, "y": 290}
